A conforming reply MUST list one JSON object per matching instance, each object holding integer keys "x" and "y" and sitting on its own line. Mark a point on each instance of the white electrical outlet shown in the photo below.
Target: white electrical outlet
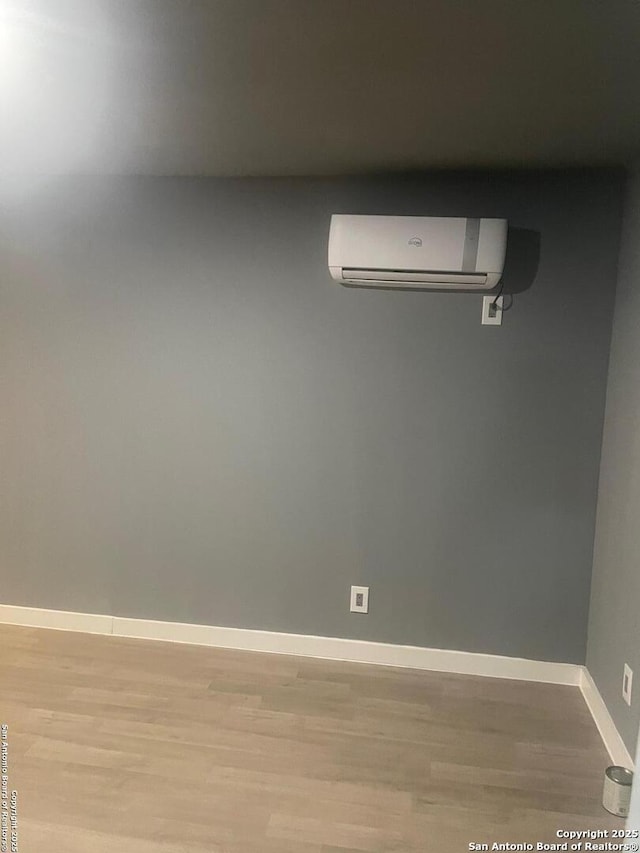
{"x": 359, "y": 599}
{"x": 627, "y": 683}
{"x": 492, "y": 310}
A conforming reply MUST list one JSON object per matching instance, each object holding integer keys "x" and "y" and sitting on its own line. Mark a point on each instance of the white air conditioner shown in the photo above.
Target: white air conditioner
{"x": 420, "y": 252}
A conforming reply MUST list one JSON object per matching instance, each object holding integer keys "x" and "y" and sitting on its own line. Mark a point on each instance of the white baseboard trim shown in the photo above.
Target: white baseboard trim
{"x": 356, "y": 651}
{"x": 610, "y": 735}
{"x": 330, "y": 648}
{"x": 64, "y": 620}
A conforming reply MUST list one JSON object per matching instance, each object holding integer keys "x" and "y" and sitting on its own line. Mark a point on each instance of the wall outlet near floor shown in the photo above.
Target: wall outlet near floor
{"x": 492, "y": 310}
{"x": 627, "y": 683}
{"x": 359, "y": 599}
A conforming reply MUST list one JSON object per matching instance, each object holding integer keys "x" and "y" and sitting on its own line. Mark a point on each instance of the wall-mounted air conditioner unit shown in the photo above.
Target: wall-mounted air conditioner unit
{"x": 418, "y": 252}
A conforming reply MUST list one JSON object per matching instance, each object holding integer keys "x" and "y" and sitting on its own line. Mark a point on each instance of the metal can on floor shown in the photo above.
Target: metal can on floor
{"x": 616, "y": 795}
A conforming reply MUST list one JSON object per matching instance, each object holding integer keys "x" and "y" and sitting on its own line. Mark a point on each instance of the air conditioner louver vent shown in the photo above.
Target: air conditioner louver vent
{"x": 430, "y": 276}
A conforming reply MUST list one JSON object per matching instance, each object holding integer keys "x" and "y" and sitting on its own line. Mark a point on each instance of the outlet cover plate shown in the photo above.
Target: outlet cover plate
{"x": 492, "y": 314}
{"x": 627, "y": 683}
{"x": 359, "y": 599}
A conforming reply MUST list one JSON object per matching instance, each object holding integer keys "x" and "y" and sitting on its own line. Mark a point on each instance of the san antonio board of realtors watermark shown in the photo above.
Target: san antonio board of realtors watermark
{"x": 8, "y": 801}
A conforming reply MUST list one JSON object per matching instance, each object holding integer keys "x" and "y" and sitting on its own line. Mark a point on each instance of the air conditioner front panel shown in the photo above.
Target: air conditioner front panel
{"x": 397, "y": 242}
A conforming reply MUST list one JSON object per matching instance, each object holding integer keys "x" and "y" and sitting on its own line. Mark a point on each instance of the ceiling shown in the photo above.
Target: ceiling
{"x": 290, "y": 87}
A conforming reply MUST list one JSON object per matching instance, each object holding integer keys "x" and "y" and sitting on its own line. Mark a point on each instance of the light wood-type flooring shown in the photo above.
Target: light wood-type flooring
{"x": 139, "y": 746}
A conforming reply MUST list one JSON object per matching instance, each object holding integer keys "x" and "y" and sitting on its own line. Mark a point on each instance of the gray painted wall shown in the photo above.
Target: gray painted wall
{"x": 614, "y": 619}
{"x": 198, "y": 425}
